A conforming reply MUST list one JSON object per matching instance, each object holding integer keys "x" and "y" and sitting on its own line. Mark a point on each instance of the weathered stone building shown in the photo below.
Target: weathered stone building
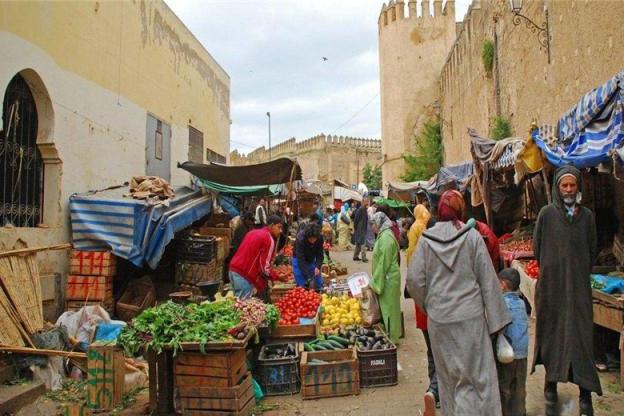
{"x": 431, "y": 66}
{"x": 322, "y": 158}
{"x": 529, "y": 81}
{"x": 95, "y": 93}
{"x": 412, "y": 52}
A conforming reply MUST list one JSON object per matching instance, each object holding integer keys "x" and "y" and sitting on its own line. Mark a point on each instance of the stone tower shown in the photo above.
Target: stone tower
{"x": 412, "y": 53}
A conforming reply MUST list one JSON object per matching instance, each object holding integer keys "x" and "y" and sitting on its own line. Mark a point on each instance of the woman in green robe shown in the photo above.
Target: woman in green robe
{"x": 386, "y": 280}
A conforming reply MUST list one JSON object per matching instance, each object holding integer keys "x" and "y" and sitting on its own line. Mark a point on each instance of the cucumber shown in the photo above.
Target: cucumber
{"x": 341, "y": 340}
{"x": 327, "y": 345}
{"x": 319, "y": 347}
{"x": 308, "y": 347}
{"x": 335, "y": 344}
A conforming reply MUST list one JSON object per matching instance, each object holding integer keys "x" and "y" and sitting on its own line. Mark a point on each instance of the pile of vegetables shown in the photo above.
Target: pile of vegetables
{"x": 281, "y": 260}
{"x": 364, "y": 339}
{"x": 519, "y": 245}
{"x": 170, "y": 324}
{"x": 287, "y": 251}
{"x": 532, "y": 269}
{"x": 285, "y": 272}
{"x": 256, "y": 313}
{"x": 278, "y": 351}
{"x": 297, "y": 303}
{"x": 340, "y": 311}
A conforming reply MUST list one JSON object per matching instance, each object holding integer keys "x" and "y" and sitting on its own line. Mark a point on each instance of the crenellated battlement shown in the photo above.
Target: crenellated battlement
{"x": 291, "y": 147}
{"x": 396, "y": 11}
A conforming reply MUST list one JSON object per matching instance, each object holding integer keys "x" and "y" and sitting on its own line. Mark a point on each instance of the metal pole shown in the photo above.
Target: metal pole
{"x": 269, "y": 116}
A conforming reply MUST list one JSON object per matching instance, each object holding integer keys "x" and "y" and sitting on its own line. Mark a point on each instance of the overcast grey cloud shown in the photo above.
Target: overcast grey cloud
{"x": 273, "y": 51}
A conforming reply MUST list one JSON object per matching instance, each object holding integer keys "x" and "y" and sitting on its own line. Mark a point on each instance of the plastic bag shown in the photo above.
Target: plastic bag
{"x": 371, "y": 314}
{"x": 504, "y": 350}
{"x": 258, "y": 394}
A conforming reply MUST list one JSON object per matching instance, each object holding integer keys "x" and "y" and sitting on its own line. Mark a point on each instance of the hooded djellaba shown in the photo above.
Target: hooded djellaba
{"x": 564, "y": 243}
{"x": 451, "y": 278}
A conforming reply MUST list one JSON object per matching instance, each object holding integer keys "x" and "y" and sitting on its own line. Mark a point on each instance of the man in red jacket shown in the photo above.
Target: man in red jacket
{"x": 250, "y": 268}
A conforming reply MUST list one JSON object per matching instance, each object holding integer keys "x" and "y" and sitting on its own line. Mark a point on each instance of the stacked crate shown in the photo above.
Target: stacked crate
{"x": 214, "y": 383}
{"x": 196, "y": 262}
{"x": 90, "y": 281}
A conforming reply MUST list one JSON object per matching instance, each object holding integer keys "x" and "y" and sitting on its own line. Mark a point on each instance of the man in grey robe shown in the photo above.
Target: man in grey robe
{"x": 564, "y": 243}
{"x": 451, "y": 278}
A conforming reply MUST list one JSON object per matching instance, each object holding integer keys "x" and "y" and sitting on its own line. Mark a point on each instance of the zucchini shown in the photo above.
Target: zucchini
{"x": 328, "y": 345}
{"x": 308, "y": 347}
{"x": 335, "y": 344}
{"x": 319, "y": 347}
{"x": 341, "y": 340}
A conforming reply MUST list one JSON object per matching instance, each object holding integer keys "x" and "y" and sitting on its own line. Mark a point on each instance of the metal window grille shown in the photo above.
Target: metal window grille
{"x": 196, "y": 143}
{"x": 20, "y": 160}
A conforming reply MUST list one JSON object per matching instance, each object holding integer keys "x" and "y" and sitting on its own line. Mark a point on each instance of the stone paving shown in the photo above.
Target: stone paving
{"x": 406, "y": 397}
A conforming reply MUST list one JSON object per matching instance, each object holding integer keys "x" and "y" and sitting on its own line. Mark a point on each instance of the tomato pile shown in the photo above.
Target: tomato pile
{"x": 287, "y": 251}
{"x": 532, "y": 269}
{"x": 523, "y": 245}
{"x": 297, "y": 303}
{"x": 284, "y": 272}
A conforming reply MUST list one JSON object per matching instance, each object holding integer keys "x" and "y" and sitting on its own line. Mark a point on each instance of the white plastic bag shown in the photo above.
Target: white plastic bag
{"x": 504, "y": 350}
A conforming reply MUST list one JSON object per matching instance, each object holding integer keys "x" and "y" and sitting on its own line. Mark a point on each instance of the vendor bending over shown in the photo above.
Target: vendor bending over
{"x": 250, "y": 268}
{"x": 308, "y": 257}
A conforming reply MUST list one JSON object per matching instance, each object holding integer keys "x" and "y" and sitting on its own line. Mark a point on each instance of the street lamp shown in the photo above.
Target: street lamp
{"x": 269, "y": 116}
{"x": 543, "y": 33}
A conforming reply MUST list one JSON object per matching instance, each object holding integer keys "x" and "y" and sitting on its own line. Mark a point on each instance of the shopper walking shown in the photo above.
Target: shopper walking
{"x": 360, "y": 224}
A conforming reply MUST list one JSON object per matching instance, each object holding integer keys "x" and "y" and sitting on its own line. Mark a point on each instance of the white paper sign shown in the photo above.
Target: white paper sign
{"x": 357, "y": 282}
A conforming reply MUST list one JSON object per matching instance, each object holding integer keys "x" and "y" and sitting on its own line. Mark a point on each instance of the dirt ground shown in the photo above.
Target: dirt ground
{"x": 404, "y": 398}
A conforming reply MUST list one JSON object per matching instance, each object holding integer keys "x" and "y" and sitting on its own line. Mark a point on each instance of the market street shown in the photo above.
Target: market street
{"x": 406, "y": 397}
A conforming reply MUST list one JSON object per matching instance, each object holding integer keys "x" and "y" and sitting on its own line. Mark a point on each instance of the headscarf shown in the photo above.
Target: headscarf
{"x": 559, "y": 175}
{"x": 451, "y": 207}
{"x": 344, "y": 208}
{"x": 381, "y": 222}
{"x": 421, "y": 218}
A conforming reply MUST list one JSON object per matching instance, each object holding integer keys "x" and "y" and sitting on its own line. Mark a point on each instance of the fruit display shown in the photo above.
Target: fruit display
{"x": 340, "y": 311}
{"x": 298, "y": 303}
{"x": 532, "y": 269}
{"x": 285, "y": 272}
{"x": 519, "y": 245}
{"x": 364, "y": 339}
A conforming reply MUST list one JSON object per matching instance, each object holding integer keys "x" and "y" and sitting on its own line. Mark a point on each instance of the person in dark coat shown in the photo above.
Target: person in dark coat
{"x": 360, "y": 223}
{"x": 308, "y": 257}
{"x": 246, "y": 225}
{"x": 564, "y": 242}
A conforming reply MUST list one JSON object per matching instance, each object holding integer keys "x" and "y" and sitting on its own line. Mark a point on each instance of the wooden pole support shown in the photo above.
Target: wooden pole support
{"x": 27, "y": 250}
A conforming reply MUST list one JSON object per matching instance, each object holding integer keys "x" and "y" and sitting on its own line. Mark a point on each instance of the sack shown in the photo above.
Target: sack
{"x": 371, "y": 314}
{"x": 504, "y": 350}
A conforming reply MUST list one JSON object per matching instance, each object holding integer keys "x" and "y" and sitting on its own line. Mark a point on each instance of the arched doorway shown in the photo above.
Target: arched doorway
{"x": 21, "y": 164}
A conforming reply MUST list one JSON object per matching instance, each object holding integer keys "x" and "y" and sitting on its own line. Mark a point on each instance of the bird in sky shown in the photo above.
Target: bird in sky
{"x": 325, "y": 59}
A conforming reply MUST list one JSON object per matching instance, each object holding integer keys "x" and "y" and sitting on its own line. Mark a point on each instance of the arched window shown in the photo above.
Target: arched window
{"x": 21, "y": 165}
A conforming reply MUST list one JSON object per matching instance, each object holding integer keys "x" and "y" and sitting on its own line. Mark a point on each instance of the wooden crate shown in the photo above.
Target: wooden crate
{"x": 224, "y": 232}
{"x": 222, "y": 248}
{"x": 202, "y": 400}
{"x": 193, "y": 273}
{"x": 297, "y": 332}
{"x": 76, "y": 409}
{"x": 93, "y": 263}
{"x": 338, "y": 377}
{"x": 138, "y": 296}
{"x": 94, "y": 288}
{"x": 279, "y": 290}
{"x": 76, "y": 305}
{"x": 106, "y": 369}
{"x": 161, "y": 390}
{"x": 213, "y": 369}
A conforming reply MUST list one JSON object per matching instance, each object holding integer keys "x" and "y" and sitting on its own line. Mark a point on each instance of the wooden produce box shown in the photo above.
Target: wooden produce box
{"x": 340, "y": 376}
{"x": 222, "y": 248}
{"x": 280, "y": 289}
{"x": 94, "y": 288}
{"x": 92, "y": 263}
{"x": 213, "y": 369}
{"x": 106, "y": 370}
{"x": 200, "y": 400}
{"x": 138, "y": 296}
{"x": 76, "y": 409}
{"x": 297, "y": 332}
{"x": 193, "y": 273}
{"x": 224, "y": 232}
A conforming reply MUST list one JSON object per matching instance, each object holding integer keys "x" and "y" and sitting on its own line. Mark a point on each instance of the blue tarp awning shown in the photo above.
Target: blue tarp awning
{"x": 590, "y": 130}
{"x": 133, "y": 229}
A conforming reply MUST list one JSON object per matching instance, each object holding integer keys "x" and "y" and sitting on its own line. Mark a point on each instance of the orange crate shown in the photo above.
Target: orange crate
{"x": 89, "y": 288}
{"x": 93, "y": 263}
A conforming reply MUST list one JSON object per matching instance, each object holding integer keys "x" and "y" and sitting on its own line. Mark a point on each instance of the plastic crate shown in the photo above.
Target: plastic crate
{"x": 196, "y": 248}
{"x": 279, "y": 376}
{"x": 378, "y": 367}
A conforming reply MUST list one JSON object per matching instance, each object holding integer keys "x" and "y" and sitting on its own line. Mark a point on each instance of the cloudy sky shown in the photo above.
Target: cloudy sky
{"x": 273, "y": 51}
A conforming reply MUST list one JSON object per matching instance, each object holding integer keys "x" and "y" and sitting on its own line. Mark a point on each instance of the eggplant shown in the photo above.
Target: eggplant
{"x": 370, "y": 333}
{"x": 352, "y": 339}
{"x": 361, "y": 332}
{"x": 362, "y": 339}
{"x": 377, "y": 345}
